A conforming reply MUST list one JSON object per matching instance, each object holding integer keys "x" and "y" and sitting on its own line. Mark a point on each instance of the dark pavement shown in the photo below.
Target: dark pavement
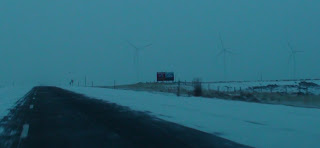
{"x": 61, "y": 119}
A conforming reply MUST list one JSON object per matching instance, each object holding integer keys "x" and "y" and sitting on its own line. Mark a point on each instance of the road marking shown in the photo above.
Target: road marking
{"x": 25, "y": 131}
{"x": 31, "y": 106}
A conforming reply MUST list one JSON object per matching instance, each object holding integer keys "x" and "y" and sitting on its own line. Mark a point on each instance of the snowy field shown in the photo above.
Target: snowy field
{"x": 9, "y": 96}
{"x": 310, "y": 87}
{"x": 257, "y": 125}
{"x": 290, "y": 86}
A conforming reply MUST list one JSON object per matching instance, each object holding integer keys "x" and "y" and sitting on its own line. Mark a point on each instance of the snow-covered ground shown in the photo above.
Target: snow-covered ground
{"x": 257, "y": 125}
{"x": 311, "y": 86}
{"x": 9, "y": 96}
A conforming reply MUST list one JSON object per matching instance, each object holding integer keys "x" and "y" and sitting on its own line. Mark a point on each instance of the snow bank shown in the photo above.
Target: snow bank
{"x": 257, "y": 125}
{"x": 9, "y": 96}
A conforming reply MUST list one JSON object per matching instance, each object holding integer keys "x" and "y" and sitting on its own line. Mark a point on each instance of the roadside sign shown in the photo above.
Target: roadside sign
{"x": 165, "y": 76}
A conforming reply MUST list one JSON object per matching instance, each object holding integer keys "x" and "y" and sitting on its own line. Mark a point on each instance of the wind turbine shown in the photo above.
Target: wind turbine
{"x": 293, "y": 58}
{"x": 136, "y": 57}
{"x": 224, "y": 51}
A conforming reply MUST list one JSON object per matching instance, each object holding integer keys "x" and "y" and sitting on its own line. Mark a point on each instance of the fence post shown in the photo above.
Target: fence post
{"x": 307, "y": 91}
{"x": 286, "y": 89}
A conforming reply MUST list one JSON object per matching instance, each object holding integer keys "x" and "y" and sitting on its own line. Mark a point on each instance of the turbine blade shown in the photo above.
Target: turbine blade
{"x": 298, "y": 51}
{"x": 222, "y": 45}
{"x": 132, "y": 45}
{"x": 289, "y": 45}
{"x": 220, "y": 53}
{"x": 146, "y": 46}
{"x": 230, "y": 52}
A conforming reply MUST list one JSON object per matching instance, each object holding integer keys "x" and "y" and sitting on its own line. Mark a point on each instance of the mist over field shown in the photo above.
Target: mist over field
{"x": 52, "y": 42}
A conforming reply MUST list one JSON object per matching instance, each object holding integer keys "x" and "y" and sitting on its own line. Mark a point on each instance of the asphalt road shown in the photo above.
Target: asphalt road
{"x": 50, "y": 117}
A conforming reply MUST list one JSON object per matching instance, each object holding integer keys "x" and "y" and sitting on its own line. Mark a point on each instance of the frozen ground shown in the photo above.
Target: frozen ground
{"x": 257, "y": 125}
{"x": 9, "y": 96}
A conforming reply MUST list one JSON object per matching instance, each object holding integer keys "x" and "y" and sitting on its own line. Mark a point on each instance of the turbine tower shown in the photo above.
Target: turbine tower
{"x": 136, "y": 58}
{"x": 293, "y": 58}
{"x": 224, "y": 51}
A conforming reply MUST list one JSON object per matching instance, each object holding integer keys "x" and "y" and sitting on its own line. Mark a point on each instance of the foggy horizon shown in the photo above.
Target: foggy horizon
{"x": 52, "y": 42}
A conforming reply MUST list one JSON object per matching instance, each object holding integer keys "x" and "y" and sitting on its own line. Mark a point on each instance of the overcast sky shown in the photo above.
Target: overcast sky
{"x": 53, "y": 41}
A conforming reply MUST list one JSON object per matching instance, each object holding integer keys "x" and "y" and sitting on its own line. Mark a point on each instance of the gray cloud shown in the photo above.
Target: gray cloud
{"x": 50, "y": 42}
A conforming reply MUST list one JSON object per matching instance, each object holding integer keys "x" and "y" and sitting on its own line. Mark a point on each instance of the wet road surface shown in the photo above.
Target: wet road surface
{"x": 50, "y": 117}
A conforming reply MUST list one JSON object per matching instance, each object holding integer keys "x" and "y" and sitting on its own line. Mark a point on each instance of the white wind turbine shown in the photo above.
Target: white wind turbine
{"x": 136, "y": 58}
{"x": 293, "y": 58}
{"x": 224, "y": 51}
